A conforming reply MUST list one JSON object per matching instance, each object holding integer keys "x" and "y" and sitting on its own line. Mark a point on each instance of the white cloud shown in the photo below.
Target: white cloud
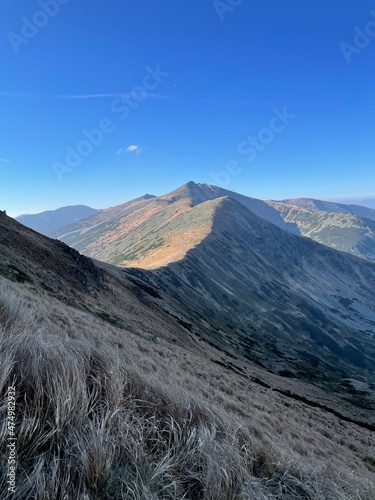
{"x": 5, "y": 161}
{"x": 133, "y": 148}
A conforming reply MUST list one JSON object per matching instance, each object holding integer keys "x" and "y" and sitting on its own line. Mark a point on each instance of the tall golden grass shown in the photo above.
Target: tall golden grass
{"x": 93, "y": 422}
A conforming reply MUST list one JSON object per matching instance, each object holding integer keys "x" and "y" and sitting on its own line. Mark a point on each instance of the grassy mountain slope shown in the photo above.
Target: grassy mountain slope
{"x": 116, "y": 396}
{"x": 288, "y": 304}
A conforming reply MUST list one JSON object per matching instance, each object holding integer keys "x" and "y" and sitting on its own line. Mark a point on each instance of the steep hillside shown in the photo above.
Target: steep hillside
{"x": 47, "y": 222}
{"x": 288, "y": 304}
{"x": 120, "y": 391}
{"x": 52, "y": 269}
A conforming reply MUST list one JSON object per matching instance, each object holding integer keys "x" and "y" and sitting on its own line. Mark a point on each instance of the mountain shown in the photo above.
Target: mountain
{"x": 287, "y": 304}
{"x": 234, "y": 371}
{"x": 368, "y": 202}
{"x": 46, "y": 222}
{"x": 249, "y": 288}
{"x": 329, "y": 206}
{"x": 118, "y": 235}
{"x": 102, "y": 218}
{"x": 52, "y": 269}
{"x": 340, "y": 230}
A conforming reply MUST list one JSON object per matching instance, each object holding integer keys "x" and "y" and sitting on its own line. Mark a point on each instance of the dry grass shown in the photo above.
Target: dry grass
{"x": 148, "y": 421}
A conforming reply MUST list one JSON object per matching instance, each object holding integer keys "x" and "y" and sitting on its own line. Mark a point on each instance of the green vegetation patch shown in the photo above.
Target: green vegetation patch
{"x": 14, "y": 274}
{"x": 113, "y": 320}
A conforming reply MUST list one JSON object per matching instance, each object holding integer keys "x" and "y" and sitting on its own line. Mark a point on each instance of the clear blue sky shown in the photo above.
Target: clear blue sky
{"x": 227, "y": 73}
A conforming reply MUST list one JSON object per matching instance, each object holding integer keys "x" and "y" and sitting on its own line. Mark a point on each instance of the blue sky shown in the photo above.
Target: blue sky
{"x": 220, "y": 75}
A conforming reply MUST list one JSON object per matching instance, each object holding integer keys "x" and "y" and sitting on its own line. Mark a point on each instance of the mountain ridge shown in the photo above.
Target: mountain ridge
{"x": 45, "y": 222}
{"x": 330, "y": 206}
{"x": 260, "y": 284}
{"x": 111, "y": 227}
{"x": 131, "y": 362}
{"x": 340, "y": 230}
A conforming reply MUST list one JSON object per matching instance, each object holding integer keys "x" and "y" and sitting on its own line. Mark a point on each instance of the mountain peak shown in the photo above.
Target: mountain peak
{"x": 190, "y": 191}
{"x": 191, "y": 184}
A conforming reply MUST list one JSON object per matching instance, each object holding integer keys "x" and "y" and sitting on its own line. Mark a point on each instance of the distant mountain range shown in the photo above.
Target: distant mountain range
{"x": 338, "y": 229}
{"x": 367, "y": 202}
{"x": 330, "y": 206}
{"x": 45, "y": 222}
{"x": 111, "y": 234}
